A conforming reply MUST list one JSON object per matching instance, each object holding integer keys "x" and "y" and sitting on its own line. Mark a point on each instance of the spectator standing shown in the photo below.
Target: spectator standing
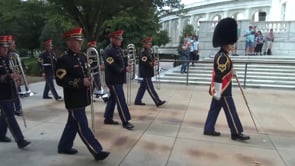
{"x": 269, "y": 40}
{"x": 184, "y": 56}
{"x": 259, "y": 43}
{"x": 250, "y": 37}
{"x": 194, "y": 50}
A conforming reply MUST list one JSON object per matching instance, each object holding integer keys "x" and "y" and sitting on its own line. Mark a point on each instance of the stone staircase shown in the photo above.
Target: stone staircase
{"x": 261, "y": 72}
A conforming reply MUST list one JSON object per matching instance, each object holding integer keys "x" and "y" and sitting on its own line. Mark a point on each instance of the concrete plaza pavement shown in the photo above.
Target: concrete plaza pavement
{"x": 170, "y": 135}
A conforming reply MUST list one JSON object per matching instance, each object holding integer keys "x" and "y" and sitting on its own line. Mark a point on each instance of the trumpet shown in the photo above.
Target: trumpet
{"x": 155, "y": 50}
{"x": 131, "y": 55}
{"x": 17, "y": 65}
{"x": 16, "y": 68}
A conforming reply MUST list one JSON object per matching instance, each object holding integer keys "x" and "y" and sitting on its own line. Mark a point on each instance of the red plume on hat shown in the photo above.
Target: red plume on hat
{"x": 10, "y": 38}
{"x": 73, "y": 33}
{"x": 48, "y": 42}
{"x": 116, "y": 34}
{"x": 4, "y": 41}
{"x": 147, "y": 40}
{"x": 92, "y": 44}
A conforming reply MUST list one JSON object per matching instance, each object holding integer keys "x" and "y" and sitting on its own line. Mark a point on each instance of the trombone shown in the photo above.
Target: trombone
{"x": 16, "y": 62}
{"x": 16, "y": 68}
{"x": 155, "y": 50}
{"x": 131, "y": 55}
{"x": 104, "y": 95}
{"x": 93, "y": 63}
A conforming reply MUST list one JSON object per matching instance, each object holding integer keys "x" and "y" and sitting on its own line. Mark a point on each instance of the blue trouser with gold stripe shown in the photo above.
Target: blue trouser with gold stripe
{"x": 147, "y": 84}
{"x": 7, "y": 119}
{"x": 49, "y": 85}
{"x": 232, "y": 117}
{"x": 77, "y": 122}
{"x": 117, "y": 97}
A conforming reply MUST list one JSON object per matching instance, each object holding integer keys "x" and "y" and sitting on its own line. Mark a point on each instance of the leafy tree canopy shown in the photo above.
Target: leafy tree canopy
{"x": 138, "y": 18}
{"x": 34, "y": 21}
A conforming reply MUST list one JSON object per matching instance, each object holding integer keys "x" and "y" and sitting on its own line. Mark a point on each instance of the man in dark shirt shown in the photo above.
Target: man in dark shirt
{"x": 47, "y": 69}
{"x": 146, "y": 71}
{"x": 115, "y": 75}
{"x": 72, "y": 74}
{"x": 9, "y": 81}
{"x": 225, "y": 35}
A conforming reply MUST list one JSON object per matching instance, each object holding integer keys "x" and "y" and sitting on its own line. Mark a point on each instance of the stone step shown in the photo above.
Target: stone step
{"x": 259, "y": 73}
{"x": 249, "y": 85}
{"x": 251, "y": 70}
{"x": 261, "y": 79}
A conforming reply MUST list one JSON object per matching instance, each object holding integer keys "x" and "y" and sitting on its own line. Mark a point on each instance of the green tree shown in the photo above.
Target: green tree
{"x": 138, "y": 18}
{"x": 23, "y": 20}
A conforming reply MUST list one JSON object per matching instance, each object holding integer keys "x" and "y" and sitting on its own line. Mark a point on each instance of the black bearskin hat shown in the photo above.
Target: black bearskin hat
{"x": 225, "y": 32}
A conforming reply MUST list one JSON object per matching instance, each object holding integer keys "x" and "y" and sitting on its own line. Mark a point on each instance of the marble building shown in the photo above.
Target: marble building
{"x": 203, "y": 15}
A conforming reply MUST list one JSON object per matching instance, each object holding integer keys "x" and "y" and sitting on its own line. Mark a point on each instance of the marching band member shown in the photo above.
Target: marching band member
{"x": 12, "y": 52}
{"x": 47, "y": 69}
{"x": 8, "y": 96}
{"x": 73, "y": 75}
{"x": 225, "y": 35}
{"x": 146, "y": 71}
{"x": 115, "y": 76}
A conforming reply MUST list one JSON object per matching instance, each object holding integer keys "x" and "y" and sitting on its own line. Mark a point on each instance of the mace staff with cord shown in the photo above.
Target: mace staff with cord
{"x": 246, "y": 102}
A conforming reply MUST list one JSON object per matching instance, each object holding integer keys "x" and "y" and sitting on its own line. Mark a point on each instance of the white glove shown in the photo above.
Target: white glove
{"x": 217, "y": 94}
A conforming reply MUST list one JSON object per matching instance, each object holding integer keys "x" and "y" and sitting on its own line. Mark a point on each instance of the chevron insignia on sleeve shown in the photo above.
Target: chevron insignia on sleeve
{"x": 110, "y": 60}
{"x": 60, "y": 73}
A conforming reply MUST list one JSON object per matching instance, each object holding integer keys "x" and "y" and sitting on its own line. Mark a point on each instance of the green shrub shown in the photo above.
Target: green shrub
{"x": 31, "y": 66}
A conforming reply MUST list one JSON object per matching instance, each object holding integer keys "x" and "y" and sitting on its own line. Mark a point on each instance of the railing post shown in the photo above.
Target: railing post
{"x": 245, "y": 75}
{"x": 187, "y": 72}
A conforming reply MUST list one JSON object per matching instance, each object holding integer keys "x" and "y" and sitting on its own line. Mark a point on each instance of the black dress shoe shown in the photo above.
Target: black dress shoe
{"x": 212, "y": 133}
{"x": 22, "y": 144}
{"x": 139, "y": 103}
{"x": 161, "y": 103}
{"x": 128, "y": 126}
{"x": 240, "y": 136}
{"x": 69, "y": 151}
{"x": 47, "y": 97}
{"x": 18, "y": 113}
{"x": 101, "y": 155}
{"x": 5, "y": 139}
{"x": 110, "y": 122}
{"x": 58, "y": 98}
